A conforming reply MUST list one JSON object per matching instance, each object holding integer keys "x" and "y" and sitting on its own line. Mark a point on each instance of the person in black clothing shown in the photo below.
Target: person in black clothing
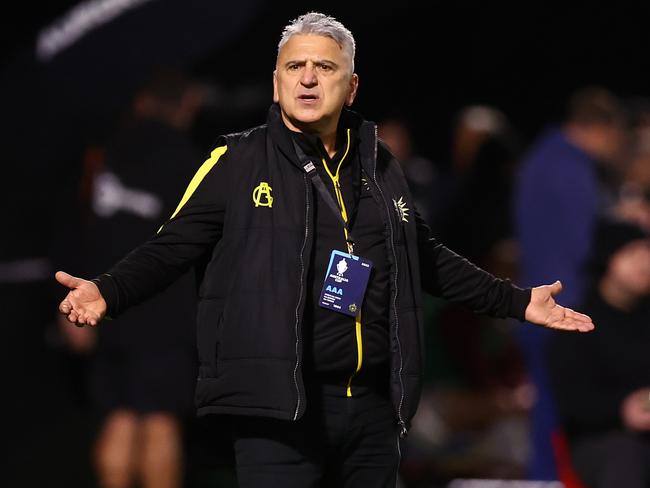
{"x": 422, "y": 175}
{"x": 317, "y": 379}
{"x": 144, "y": 365}
{"x": 602, "y": 382}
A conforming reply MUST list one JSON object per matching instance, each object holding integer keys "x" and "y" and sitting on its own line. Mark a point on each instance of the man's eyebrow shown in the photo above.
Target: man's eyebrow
{"x": 329, "y": 62}
{"x": 320, "y": 61}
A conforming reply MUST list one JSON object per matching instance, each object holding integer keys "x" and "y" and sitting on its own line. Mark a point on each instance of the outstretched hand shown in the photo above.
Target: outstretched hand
{"x": 84, "y": 304}
{"x": 543, "y": 310}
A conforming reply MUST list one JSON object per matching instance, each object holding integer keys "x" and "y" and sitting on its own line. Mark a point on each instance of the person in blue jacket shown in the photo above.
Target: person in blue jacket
{"x": 560, "y": 191}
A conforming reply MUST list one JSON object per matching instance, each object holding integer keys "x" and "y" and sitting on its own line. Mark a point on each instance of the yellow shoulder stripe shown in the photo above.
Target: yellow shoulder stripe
{"x": 198, "y": 178}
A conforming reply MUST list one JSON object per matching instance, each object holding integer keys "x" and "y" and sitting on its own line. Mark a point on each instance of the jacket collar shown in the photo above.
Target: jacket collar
{"x": 366, "y": 133}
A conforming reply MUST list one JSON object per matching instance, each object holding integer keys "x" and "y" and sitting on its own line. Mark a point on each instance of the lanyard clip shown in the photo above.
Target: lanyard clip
{"x": 350, "y": 244}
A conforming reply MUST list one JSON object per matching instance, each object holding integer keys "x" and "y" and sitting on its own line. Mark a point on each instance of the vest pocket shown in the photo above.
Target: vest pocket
{"x": 208, "y": 335}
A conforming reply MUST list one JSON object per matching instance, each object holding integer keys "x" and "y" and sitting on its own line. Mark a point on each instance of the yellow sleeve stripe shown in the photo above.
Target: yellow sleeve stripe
{"x": 198, "y": 178}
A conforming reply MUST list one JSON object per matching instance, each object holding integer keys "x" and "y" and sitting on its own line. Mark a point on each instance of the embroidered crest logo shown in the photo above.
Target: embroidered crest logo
{"x": 262, "y": 195}
{"x": 401, "y": 209}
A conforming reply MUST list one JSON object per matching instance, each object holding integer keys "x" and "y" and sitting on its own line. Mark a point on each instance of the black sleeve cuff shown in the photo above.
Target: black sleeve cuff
{"x": 519, "y": 302}
{"x": 107, "y": 288}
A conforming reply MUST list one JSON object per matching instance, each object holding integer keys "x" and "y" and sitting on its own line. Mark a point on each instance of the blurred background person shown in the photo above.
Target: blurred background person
{"x": 602, "y": 382}
{"x": 472, "y": 418}
{"x": 565, "y": 182}
{"x": 143, "y": 363}
{"x": 421, "y": 173}
{"x": 478, "y": 224}
{"x": 633, "y": 196}
{"x": 633, "y": 192}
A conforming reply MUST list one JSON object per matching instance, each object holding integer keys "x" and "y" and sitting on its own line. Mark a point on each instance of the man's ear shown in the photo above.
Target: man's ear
{"x": 354, "y": 85}
{"x": 276, "y": 98}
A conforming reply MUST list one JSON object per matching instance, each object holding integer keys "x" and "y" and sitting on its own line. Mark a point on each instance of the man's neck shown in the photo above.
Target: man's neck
{"x": 326, "y": 135}
{"x": 329, "y": 143}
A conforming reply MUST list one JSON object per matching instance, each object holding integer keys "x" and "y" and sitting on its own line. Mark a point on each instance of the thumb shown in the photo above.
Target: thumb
{"x": 556, "y": 288}
{"x": 67, "y": 279}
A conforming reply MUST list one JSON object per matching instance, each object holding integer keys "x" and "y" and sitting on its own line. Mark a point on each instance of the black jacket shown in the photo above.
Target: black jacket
{"x": 248, "y": 213}
{"x": 592, "y": 374}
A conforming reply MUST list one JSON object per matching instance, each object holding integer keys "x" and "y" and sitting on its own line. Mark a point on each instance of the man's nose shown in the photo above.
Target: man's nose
{"x": 308, "y": 77}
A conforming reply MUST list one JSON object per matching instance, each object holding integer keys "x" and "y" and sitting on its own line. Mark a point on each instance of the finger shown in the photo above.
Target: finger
{"x": 583, "y": 326}
{"x": 92, "y": 319}
{"x": 588, "y": 327}
{"x": 556, "y": 288}
{"x": 67, "y": 279}
{"x": 65, "y": 307}
{"x": 578, "y": 316}
{"x": 573, "y": 325}
{"x": 73, "y": 316}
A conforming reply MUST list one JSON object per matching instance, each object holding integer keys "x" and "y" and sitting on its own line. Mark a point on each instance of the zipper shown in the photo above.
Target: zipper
{"x": 404, "y": 430}
{"x": 302, "y": 276}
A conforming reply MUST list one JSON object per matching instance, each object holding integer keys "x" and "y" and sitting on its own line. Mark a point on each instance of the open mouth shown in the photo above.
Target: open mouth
{"x": 308, "y": 98}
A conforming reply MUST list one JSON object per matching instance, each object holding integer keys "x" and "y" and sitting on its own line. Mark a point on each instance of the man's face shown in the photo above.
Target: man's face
{"x": 312, "y": 81}
{"x": 611, "y": 140}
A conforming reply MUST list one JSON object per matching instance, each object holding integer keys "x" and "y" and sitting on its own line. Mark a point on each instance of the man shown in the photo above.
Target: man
{"x": 602, "y": 382}
{"x": 318, "y": 379}
{"x": 562, "y": 187}
{"x": 560, "y": 192}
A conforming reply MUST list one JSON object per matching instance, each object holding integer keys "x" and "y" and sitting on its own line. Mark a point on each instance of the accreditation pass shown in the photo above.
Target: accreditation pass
{"x": 345, "y": 283}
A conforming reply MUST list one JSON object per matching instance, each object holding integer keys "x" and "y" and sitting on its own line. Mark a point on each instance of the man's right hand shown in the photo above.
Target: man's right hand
{"x": 84, "y": 304}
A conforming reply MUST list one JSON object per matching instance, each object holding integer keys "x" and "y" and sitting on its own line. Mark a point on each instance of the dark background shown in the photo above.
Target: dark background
{"x": 421, "y": 61}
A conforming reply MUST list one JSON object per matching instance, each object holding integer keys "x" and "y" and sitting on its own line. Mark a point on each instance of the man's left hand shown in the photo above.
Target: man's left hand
{"x": 543, "y": 310}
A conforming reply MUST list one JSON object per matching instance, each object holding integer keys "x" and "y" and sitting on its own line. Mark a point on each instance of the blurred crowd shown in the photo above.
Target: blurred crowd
{"x": 514, "y": 402}
{"x": 112, "y": 406}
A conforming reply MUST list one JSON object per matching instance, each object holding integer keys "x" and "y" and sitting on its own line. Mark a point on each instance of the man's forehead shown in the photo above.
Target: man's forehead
{"x": 311, "y": 45}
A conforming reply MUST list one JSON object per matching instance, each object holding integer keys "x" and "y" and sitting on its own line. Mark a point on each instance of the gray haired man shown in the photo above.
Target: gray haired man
{"x": 310, "y": 316}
